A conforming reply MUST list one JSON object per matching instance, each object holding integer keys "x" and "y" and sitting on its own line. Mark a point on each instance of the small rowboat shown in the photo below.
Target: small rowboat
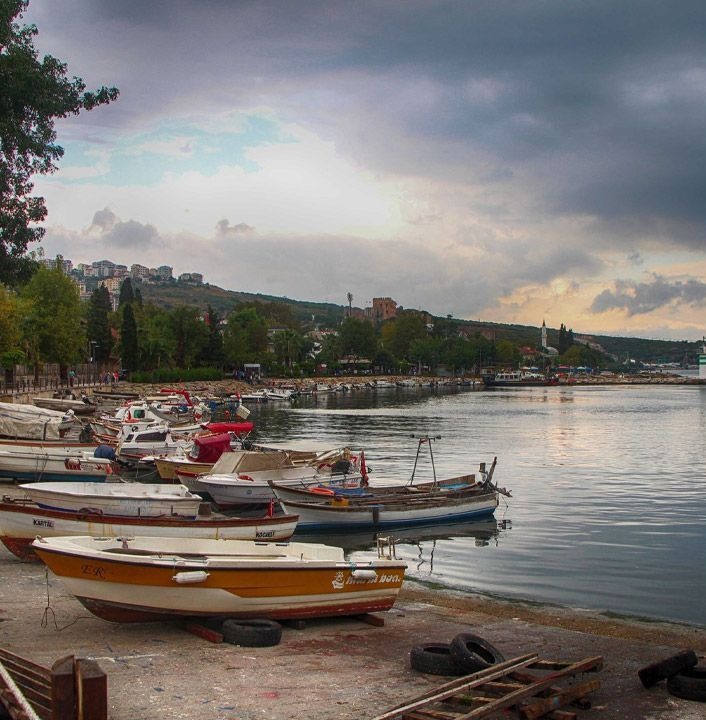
{"x": 21, "y": 522}
{"x": 145, "y": 579}
{"x": 137, "y": 499}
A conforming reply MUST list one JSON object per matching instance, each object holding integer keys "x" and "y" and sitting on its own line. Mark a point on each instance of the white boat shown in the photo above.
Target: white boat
{"x": 146, "y": 579}
{"x": 34, "y": 463}
{"x": 28, "y": 422}
{"x": 151, "y": 440}
{"x": 135, "y": 499}
{"x": 20, "y": 522}
{"x": 244, "y": 477}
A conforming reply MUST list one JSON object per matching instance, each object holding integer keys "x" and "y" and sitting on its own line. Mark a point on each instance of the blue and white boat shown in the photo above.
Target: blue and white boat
{"x": 465, "y": 497}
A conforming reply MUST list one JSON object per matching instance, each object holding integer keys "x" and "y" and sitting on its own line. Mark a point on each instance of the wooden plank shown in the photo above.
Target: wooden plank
{"x": 370, "y": 619}
{"x": 12, "y": 661}
{"x": 459, "y": 685}
{"x": 204, "y": 632}
{"x": 515, "y": 697}
{"x": 583, "y": 703}
{"x": 540, "y": 707}
{"x": 92, "y": 691}
{"x": 63, "y": 689}
{"x": 13, "y": 697}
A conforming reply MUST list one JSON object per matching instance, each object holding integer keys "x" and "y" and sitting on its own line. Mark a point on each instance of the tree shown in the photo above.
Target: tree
{"x": 357, "y": 338}
{"x": 190, "y": 335}
{"x": 34, "y": 94}
{"x": 155, "y": 338}
{"x": 126, "y": 292}
{"x": 129, "y": 348}
{"x": 399, "y": 333}
{"x": 52, "y": 319}
{"x": 98, "y": 324}
{"x": 213, "y": 350}
{"x": 245, "y": 337}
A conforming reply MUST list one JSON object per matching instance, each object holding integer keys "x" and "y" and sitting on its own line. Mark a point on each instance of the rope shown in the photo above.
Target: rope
{"x": 50, "y": 610}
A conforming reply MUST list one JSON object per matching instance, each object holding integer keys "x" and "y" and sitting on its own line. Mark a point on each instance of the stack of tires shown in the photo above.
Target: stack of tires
{"x": 464, "y": 655}
{"x": 686, "y": 678}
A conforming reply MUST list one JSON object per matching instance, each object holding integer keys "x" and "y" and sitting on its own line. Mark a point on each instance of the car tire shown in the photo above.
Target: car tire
{"x": 434, "y": 659}
{"x": 473, "y": 653}
{"x": 252, "y": 633}
{"x": 651, "y": 674}
{"x": 689, "y": 684}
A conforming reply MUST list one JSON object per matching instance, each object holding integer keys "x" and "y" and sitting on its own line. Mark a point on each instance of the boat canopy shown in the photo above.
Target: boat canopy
{"x": 230, "y": 463}
{"x": 239, "y": 428}
{"x": 208, "y": 448}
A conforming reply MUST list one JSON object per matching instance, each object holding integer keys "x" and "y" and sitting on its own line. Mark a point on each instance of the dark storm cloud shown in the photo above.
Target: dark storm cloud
{"x": 640, "y": 298}
{"x": 593, "y": 108}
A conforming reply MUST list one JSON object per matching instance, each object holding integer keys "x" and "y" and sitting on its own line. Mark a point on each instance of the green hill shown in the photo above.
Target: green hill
{"x": 175, "y": 293}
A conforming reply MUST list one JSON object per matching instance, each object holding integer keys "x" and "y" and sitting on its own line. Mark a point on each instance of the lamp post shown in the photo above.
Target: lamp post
{"x": 93, "y": 359}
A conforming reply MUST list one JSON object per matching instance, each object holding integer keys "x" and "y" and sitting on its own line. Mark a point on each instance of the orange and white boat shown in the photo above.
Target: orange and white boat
{"x": 147, "y": 579}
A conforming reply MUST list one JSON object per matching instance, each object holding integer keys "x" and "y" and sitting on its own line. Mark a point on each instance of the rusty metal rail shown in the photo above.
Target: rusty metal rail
{"x": 532, "y": 687}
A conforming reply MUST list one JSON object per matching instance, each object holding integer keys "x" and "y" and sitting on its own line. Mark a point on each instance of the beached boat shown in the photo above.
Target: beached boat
{"x": 138, "y": 499}
{"x": 62, "y": 404}
{"x": 28, "y": 422}
{"x": 21, "y": 522}
{"x": 60, "y": 464}
{"x": 200, "y": 457}
{"x": 145, "y": 579}
{"x": 243, "y": 478}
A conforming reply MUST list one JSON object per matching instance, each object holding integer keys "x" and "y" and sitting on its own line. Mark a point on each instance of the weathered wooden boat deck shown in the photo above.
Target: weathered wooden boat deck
{"x": 331, "y": 669}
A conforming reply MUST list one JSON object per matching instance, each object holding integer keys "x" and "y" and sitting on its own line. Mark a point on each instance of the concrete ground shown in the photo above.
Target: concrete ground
{"x": 331, "y": 669}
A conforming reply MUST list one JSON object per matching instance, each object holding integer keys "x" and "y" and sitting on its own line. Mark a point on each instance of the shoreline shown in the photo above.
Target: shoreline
{"x": 331, "y": 668}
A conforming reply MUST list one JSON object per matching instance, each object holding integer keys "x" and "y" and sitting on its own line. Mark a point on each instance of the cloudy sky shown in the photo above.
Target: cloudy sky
{"x": 509, "y": 161}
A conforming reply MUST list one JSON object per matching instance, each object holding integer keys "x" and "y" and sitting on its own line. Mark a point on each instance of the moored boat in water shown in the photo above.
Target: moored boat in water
{"x": 518, "y": 378}
{"x": 146, "y": 579}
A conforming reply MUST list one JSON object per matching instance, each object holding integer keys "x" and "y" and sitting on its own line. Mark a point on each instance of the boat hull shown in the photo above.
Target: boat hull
{"x": 263, "y": 581}
{"x": 48, "y": 465}
{"x": 20, "y": 525}
{"x": 315, "y": 517}
{"x": 134, "y": 499}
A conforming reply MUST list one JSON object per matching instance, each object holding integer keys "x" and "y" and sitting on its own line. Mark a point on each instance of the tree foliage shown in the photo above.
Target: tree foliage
{"x": 34, "y": 94}
{"x": 129, "y": 345}
{"x": 357, "y": 338}
{"x": 52, "y": 318}
{"x": 98, "y": 324}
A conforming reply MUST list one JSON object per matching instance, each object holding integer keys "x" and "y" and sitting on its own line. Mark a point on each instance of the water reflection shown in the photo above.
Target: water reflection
{"x": 482, "y": 531}
{"x": 608, "y": 487}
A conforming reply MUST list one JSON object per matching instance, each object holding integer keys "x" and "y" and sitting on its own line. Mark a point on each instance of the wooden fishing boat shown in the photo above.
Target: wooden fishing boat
{"x": 145, "y": 579}
{"x": 138, "y": 499}
{"x": 28, "y": 422}
{"x": 21, "y": 522}
{"x": 388, "y": 510}
{"x": 450, "y": 500}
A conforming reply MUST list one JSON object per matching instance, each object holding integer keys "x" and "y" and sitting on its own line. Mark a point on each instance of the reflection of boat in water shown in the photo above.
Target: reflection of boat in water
{"x": 483, "y": 530}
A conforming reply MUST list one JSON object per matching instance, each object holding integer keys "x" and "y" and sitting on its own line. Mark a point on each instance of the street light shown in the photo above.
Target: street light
{"x": 93, "y": 359}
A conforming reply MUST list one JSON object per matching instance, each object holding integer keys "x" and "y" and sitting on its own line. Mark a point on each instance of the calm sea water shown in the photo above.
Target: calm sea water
{"x": 609, "y": 488}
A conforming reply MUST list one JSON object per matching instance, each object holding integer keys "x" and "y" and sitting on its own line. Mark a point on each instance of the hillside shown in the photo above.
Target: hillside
{"x": 173, "y": 294}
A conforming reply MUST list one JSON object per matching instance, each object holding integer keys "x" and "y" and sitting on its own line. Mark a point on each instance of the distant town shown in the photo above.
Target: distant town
{"x": 111, "y": 275}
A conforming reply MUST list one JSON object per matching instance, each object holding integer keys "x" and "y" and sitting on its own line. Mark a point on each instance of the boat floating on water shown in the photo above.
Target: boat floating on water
{"x": 146, "y": 579}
